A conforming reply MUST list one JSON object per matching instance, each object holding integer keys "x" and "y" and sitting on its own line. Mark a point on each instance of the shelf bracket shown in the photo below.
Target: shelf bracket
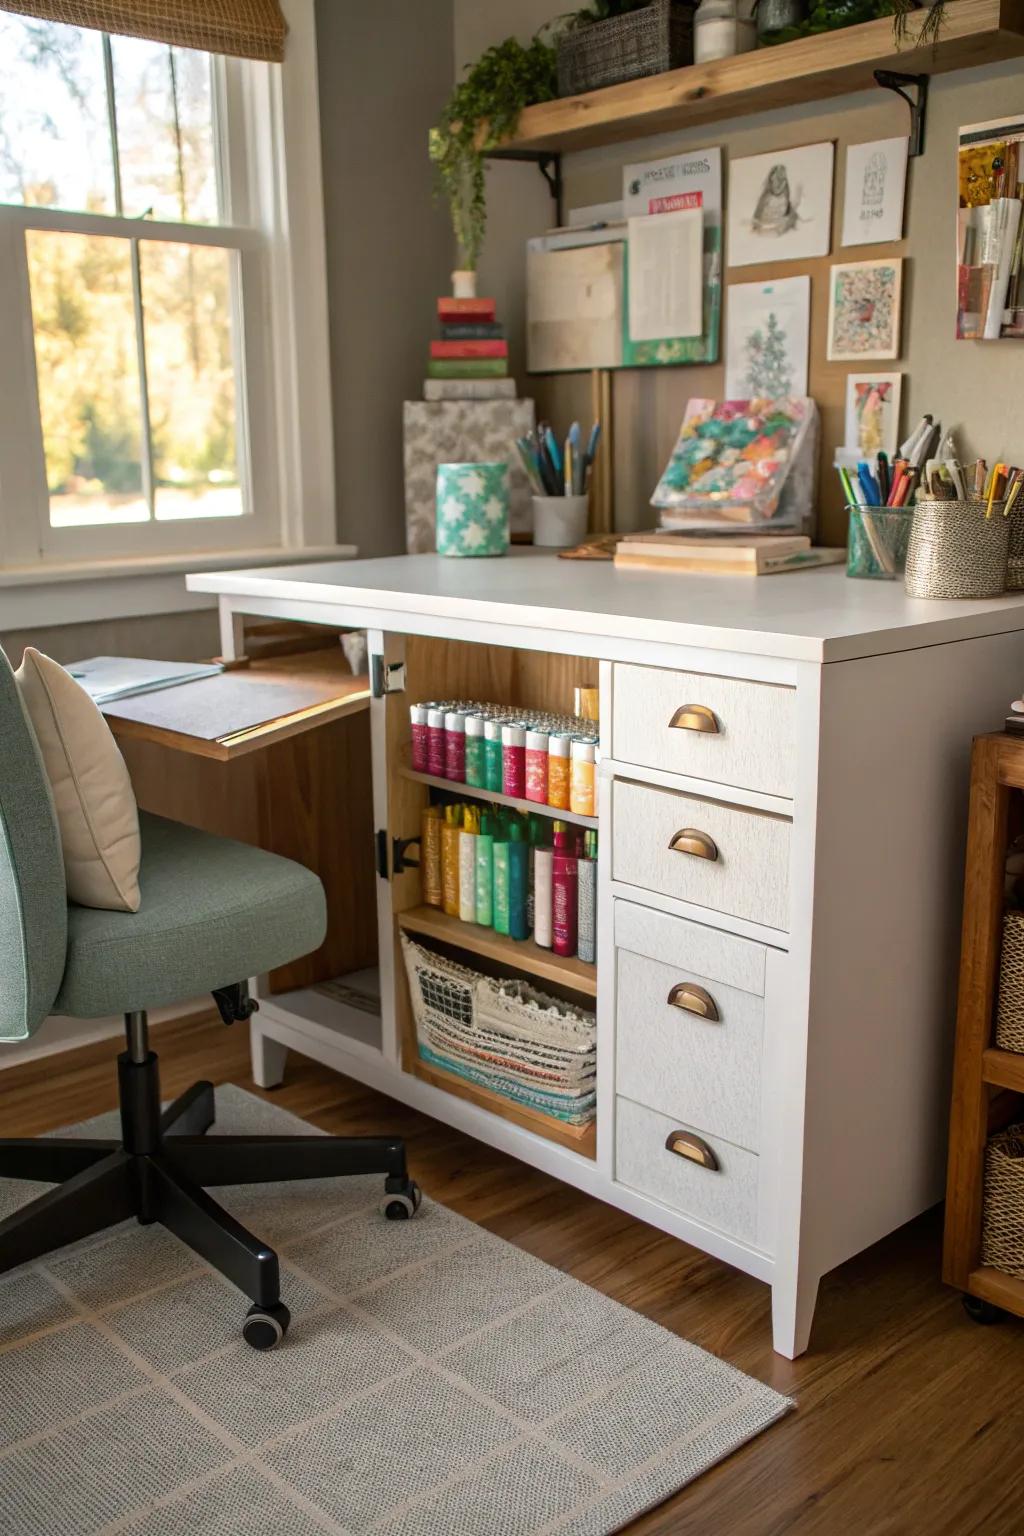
{"x": 548, "y": 162}
{"x": 892, "y": 80}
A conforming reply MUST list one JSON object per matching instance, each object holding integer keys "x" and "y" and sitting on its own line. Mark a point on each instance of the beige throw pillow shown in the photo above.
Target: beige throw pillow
{"x": 96, "y": 810}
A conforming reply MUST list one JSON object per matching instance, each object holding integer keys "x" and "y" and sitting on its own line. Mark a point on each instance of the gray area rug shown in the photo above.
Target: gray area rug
{"x": 436, "y": 1381}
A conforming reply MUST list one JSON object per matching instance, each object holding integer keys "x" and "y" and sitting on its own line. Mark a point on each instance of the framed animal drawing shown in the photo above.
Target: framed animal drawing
{"x": 780, "y": 205}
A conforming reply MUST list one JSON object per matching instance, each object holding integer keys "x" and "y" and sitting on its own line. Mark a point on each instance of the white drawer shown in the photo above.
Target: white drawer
{"x": 745, "y": 872}
{"x": 690, "y": 946}
{"x": 701, "y": 1069}
{"x": 724, "y": 1197}
{"x": 748, "y": 742}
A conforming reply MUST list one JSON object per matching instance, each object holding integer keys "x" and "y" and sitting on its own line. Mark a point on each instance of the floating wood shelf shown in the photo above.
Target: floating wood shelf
{"x": 519, "y": 954}
{"x": 472, "y": 792}
{"x": 578, "y": 1138}
{"x": 811, "y": 69}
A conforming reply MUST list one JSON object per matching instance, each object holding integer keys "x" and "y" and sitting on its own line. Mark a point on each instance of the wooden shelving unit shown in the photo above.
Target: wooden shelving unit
{"x": 519, "y": 954}
{"x": 987, "y": 1081}
{"x": 811, "y": 69}
{"x": 472, "y": 792}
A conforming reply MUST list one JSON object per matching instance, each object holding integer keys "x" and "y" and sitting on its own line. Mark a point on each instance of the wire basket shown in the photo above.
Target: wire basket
{"x": 1010, "y": 1007}
{"x": 1015, "y": 554}
{"x": 1002, "y": 1223}
{"x": 956, "y": 551}
{"x": 643, "y": 42}
{"x": 503, "y": 1035}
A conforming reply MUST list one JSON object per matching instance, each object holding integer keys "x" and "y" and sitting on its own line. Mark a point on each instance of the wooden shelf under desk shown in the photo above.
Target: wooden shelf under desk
{"x": 578, "y": 1138}
{"x": 243, "y": 709}
{"x": 807, "y": 70}
{"x": 474, "y": 792}
{"x": 518, "y": 954}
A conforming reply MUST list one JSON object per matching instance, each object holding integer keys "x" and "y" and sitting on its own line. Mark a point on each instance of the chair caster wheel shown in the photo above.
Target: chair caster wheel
{"x": 983, "y": 1312}
{"x": 402, "y": 1205}
{"x": 265, "y": 1327}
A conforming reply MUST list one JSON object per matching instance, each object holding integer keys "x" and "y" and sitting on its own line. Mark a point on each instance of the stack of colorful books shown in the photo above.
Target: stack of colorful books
{"x": 470, "y": 361}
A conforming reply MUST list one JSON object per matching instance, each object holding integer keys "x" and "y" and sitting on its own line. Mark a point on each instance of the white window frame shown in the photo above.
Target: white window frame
{"x": 272, "y": 192}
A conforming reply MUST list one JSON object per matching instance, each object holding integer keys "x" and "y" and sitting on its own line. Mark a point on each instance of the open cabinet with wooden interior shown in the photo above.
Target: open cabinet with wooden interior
{"x": 416, "y": 669}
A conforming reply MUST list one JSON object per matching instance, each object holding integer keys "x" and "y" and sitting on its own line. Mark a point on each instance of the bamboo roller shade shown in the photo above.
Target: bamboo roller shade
{"x": 248, "y": 29}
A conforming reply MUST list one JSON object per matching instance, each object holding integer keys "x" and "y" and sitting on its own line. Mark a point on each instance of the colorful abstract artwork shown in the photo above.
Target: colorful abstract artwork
{"x": 864, "y": 310}
{"x": 873, "y": 413}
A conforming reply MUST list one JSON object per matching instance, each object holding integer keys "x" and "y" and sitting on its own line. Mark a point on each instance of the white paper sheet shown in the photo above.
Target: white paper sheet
{"x": 665, "y": 275}
{"x": 876, "y": 178}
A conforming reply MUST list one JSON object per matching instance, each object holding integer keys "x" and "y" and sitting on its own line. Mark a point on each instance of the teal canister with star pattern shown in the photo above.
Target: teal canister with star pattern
{"x": 472, "y": 509}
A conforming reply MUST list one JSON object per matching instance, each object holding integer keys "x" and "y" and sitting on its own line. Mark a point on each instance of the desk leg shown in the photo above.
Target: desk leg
{"x": 232, "y": 630}
{"x": 268, "y": 1057}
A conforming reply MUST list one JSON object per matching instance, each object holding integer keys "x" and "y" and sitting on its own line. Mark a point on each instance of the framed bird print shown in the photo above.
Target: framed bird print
{"x": 780, "y": 205}
{"x": 864, "y": 299}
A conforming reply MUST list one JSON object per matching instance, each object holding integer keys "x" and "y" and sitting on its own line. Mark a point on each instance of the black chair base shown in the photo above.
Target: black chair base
{"x": 160, "y": 1170}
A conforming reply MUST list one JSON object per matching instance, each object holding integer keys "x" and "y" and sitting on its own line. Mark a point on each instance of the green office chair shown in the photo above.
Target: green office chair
{"x": 212, "y": 911}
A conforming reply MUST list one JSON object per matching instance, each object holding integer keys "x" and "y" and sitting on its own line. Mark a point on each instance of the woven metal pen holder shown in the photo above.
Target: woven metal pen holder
{"x": 956, "y": 551}
{"x": 1002, "y": 1222}
{"x": 1015, "y": 558}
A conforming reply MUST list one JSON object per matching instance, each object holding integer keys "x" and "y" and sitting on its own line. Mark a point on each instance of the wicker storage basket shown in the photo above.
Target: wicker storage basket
{"x": 503, "y": 1036}
{"x": 956, "y": 551}
{"x": 644, "y": 42}
{"x": 1010, "y": 1009}
{"x": 1002, "y": 1224}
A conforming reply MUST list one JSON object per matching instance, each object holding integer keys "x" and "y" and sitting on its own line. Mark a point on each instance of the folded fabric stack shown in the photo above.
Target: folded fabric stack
{"x": 504, "y": 1036}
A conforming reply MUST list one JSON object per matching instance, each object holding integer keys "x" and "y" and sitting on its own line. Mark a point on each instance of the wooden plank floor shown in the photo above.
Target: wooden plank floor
{"x": 910, "y": 1417}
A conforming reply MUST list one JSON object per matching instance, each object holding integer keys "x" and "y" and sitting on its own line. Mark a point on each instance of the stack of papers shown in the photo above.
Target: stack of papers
{"x": 106, "y": 678}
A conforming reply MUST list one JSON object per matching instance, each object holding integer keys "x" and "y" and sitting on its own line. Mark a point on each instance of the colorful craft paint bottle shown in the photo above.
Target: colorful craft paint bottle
{"x": 420, "y": 757}
{"x": 558, "y": 772}
{"x": 586, "y": 872}
{"x": 485, "y": 871}
{"x": 467, "y": 864}
{"x": 543, "y": 860}
{"x": 430, "y": 852}
{"x": 513, "y": 760}
{"x": 518, "y": 879}
{"x": 475, "y": 751}
{"x": 492, "y": 755}
{"x": 501, "y": 877}
{"x": 537, "y": 766}
{"x": 455, "y": 746}
{"x": 435, "y": 742}
{"x": 450, "y": 859}
{"x": 581, "y": 784}
{"x": 564, "y": 884}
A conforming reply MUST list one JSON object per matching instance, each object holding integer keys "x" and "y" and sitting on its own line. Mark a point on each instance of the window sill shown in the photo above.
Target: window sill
{"x": 42, "y": 596}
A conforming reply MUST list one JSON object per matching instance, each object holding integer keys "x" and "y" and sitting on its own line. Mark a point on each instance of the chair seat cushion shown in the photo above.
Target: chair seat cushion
{"x": 213, "y": 912}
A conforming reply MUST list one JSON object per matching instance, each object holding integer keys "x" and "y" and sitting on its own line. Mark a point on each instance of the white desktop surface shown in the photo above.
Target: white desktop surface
{"x": 814, "y": 615}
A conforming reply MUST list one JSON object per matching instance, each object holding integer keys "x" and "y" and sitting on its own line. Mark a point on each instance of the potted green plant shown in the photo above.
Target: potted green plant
{"x": 482, "y": 110}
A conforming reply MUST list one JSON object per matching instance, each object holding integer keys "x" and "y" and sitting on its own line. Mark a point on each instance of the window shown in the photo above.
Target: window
{"x": 142, "y": 309}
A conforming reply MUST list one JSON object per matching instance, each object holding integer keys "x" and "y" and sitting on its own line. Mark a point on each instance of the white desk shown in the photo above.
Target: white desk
{"x": 826, "y": 931}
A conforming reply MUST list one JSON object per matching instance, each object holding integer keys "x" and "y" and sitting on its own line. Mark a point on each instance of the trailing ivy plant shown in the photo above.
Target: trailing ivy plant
{"x": 482, "y": 110}
{"x": 931, "y": 24}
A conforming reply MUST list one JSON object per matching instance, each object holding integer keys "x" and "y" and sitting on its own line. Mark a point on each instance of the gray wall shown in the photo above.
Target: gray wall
{"x": 385, "y": 70}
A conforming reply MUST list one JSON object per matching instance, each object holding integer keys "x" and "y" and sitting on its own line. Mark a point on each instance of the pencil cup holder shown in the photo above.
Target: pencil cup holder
{"x": 472, "y": 509}
{"x": 1015, "y": 555}
{"x": 956, "y": 551}
{"x": 559, "y": 521}
{"x": 878, "y": 542}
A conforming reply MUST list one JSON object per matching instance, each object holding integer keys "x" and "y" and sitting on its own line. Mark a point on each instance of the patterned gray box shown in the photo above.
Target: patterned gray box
{"x": 461, "y": 432}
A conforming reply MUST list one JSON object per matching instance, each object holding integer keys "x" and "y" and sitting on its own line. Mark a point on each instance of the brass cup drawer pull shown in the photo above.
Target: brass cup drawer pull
{"x": 685, "y": 1144}
{"x": 693, "y": 999}
{"x": 689, "y": 840}
{"x": 695, "y": 717}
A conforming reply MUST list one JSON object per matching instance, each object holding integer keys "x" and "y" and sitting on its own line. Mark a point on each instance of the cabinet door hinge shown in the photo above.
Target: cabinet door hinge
{"x": 399, "y": 856}
{"x": 386, "y": 677}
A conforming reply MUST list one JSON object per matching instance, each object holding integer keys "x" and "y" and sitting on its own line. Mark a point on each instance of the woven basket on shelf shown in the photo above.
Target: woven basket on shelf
{"x": 1015, "y": 558}
{"x": 644, "y": 42}
{"x": 1002, "y": 1225}
{"x": 1010, "y": 1008}
{"x": 956, "y": 551}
